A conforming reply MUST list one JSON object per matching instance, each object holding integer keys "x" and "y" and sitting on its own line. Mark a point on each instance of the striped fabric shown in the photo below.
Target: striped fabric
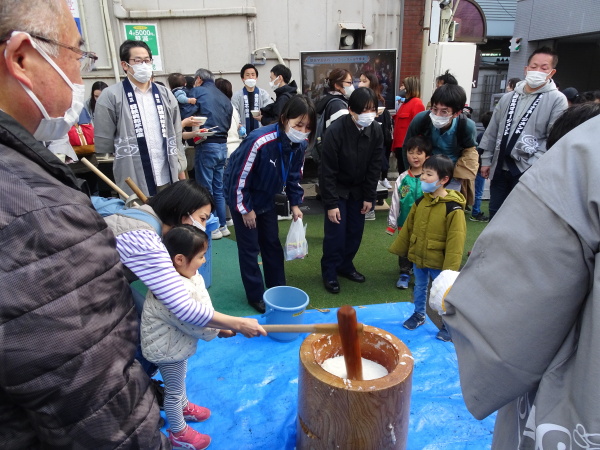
{"x": 173, "y": 375}
{"x": 144, "y": 254}
{"x": 261, "y": 141}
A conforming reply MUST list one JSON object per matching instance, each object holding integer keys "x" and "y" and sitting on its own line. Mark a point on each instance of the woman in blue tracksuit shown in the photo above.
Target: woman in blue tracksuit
{"x": 267, "y": 162}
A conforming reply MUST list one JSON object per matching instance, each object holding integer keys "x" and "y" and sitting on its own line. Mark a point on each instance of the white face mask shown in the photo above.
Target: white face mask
{"x": 535, "y": 79}
{"x": 365, "y": 119}
{"x": 348, "y": 90}
{"x": 142, "y": 72}
{"x": 52, "y": 128}
{"x": 296, "y": 136}
{"x": 197, "y": 224}
{"x": 250, "y": 82}
{"x": 438, "y": 121}
{"x": 273, "y": 85}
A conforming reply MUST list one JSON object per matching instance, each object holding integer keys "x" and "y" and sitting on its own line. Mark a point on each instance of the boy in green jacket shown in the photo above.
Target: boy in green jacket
{"x": 433, "y": 235}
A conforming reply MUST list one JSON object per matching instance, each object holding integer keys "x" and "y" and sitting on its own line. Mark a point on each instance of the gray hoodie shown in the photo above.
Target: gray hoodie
{"x": 532, "y": 142}
{"x": 527, "y": 306}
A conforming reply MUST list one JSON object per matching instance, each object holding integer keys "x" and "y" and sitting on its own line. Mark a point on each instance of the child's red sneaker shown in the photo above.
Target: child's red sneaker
{"x": 189, "y": 439}
{"x": 195, "y": 413}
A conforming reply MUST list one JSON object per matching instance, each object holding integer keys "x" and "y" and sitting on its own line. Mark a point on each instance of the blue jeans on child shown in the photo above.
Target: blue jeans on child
{"x": 209, "y": 165}
{"x": 422, "y": 277}
{"x": 479, "y": 186}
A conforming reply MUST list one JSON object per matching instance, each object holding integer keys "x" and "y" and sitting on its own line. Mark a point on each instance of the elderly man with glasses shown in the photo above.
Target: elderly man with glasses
{"x": 139, "y": 122}
{"x": 68, "y": 377}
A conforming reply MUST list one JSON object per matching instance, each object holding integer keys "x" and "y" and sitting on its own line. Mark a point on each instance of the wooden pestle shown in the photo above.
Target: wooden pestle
{"x": 136, "y": 190}
{"x": 321, "y": 328}
{"x": 350, "y": 342}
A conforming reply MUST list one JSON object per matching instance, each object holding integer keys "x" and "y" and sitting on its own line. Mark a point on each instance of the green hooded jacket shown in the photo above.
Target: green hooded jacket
{"x": 433, "y": 235}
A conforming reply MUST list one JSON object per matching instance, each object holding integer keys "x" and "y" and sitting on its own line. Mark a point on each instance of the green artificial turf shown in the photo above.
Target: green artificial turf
{"x": 379, "y": 266}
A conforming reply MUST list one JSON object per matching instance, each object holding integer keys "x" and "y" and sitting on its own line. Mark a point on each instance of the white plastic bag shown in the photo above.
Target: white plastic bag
{"x": 296, "y": 246}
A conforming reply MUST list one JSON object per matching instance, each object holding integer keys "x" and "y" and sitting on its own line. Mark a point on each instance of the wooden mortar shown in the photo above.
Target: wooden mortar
{"x": 350, "y": 414}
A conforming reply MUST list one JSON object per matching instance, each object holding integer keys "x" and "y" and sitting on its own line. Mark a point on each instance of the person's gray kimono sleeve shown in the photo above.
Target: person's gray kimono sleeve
{"x": 526, "y": 308}
{"x": 105, "y": 122}
{"x": 176, "y": 114}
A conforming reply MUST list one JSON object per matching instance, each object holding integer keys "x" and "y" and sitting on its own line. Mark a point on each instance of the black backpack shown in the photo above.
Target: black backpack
{"x": 315, "y": 151}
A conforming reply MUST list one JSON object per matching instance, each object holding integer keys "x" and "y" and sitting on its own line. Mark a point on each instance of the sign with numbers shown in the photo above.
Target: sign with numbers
{"x": 147, "y": 33}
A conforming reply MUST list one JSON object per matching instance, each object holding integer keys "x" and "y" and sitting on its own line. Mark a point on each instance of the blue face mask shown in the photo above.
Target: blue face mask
{"x": 429, "y": 187}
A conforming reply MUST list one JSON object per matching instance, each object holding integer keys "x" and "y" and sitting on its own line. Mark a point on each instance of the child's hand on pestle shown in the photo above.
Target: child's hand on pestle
{"x": 250, "y": 328}
{"x": 247, "y": 327}
{"x": 440, "y": 288}
{"x": 226, "y": 333}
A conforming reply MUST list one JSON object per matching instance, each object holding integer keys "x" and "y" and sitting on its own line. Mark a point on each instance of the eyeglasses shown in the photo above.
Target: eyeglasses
{"x": 86, "y": 59}
{"x": 141, "y": 60}
{"x": 441, "y": 112}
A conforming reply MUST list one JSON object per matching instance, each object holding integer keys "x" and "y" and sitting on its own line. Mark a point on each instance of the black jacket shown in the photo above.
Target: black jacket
{"x": 69, "y": 329}
{"x": 271, "y": 112}
{"x": 351, "y": 162}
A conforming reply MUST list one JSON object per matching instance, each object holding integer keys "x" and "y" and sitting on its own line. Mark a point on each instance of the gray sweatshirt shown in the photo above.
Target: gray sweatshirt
{"x": 532, "y": 141}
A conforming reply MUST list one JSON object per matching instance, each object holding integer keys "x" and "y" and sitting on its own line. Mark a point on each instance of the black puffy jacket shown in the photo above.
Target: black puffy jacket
{"x": 68, "y": 328}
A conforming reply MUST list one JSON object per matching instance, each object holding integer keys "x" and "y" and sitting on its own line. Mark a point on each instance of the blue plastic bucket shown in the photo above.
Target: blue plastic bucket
{"x": 206, "y": 269}
{"x": 285, "y": 305}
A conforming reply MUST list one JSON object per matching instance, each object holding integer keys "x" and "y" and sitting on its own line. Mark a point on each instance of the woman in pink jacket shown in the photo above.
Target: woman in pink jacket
{"x": 407, "y": 111}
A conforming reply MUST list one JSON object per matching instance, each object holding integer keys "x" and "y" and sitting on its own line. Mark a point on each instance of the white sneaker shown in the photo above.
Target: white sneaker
{"x": 380, "y": 186}
{"x": 370, "y": 215}
{"x": 386, "y": 183}
{"x": 224, "y": 231}
{"x": 229, "y": 222}
{"x": 216, "y": 235}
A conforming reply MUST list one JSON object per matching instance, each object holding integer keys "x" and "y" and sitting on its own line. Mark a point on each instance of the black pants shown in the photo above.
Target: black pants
{"x": 501, "y": 185}
{"x": 342, "y": 241}
{"x": 399, "y": 159}
{"x": 264, "y": 239}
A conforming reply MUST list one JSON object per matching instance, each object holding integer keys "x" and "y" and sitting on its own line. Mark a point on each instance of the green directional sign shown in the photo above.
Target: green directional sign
{"x": 148, "y": 33}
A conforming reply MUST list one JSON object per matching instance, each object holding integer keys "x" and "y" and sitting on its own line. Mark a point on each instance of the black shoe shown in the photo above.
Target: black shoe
{"x": 481, "y": 217}
{"x": 259, "y": 306}
{"x": 354, "y": 276}
{"x": 159, "y": 392}
{"x": 332, "y": 286}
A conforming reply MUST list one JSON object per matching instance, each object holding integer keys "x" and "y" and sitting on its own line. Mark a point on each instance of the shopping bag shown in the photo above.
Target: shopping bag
{"x": 296, "y": 246}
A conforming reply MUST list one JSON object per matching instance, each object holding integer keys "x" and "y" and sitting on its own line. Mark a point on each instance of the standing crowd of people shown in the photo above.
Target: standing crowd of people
{"x": 69, "y": 306}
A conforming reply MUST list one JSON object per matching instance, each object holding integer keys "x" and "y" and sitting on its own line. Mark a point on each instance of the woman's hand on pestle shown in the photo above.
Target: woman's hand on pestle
{"x": 247, "y": 327}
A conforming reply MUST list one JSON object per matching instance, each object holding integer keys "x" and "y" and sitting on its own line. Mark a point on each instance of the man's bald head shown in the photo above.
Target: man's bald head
{"x": 47, "y": 21}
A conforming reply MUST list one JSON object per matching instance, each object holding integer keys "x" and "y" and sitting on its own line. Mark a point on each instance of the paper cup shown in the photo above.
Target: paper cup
{"x": 255, "y": 112}
{"x": 199, "y": 119}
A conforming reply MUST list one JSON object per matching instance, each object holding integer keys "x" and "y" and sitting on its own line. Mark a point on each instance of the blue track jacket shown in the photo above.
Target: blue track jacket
{"x": 254, "y": 173}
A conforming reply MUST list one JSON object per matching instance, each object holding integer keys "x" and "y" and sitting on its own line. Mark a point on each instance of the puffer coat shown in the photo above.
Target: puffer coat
{"x": 68, "y": 327}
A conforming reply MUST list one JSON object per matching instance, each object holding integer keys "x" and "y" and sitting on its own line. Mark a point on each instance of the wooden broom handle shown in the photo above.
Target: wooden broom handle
{"x": 350, "y": 342}
{"x": 322, "y": 328}
{"x": 136, "y": 190}
{"x": 104, "y": 178}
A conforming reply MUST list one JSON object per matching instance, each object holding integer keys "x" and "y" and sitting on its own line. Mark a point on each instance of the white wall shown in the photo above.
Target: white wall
{"x": 221, "y": 34}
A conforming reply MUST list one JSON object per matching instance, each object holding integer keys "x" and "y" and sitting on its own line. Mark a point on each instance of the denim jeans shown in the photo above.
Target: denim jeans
{"x": 479, "y": 186}
{"x": 422, "y": 276}
{"x": 209, "y": 165}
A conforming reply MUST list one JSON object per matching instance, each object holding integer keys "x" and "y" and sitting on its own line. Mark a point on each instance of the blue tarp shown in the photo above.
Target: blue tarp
{"x": 251, "y": 386}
